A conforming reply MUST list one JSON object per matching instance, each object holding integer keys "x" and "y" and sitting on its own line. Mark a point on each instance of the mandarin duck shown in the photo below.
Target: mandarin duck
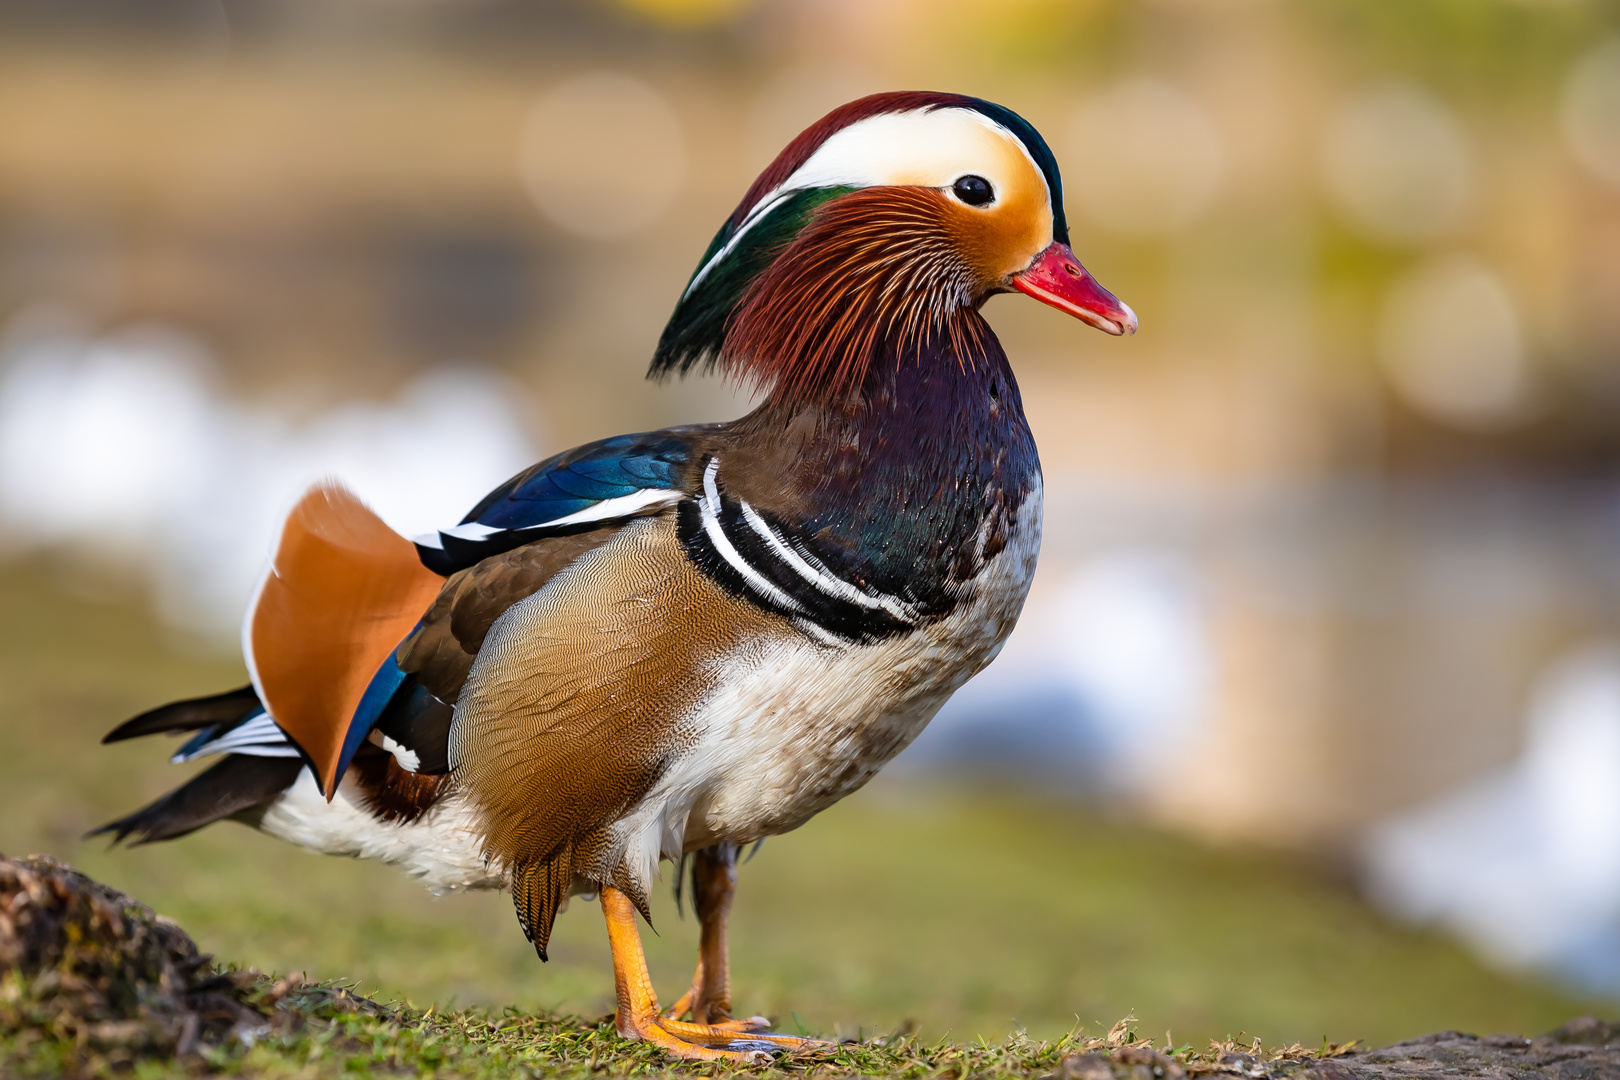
{"x": 677, "y": 643}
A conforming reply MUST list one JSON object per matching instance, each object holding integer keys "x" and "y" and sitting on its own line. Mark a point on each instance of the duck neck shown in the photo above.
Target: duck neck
{"x": 907, "y": 474}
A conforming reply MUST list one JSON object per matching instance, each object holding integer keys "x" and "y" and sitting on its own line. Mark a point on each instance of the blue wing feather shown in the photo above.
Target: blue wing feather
{"x": 576, "y": 485}
{"x": 521, "y": 509}
{"x": 384, "y": 684}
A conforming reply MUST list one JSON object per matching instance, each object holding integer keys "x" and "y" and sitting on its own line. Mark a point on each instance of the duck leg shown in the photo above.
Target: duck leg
{"x": 638, "y": 1015}
{"x": 714, "y": 883}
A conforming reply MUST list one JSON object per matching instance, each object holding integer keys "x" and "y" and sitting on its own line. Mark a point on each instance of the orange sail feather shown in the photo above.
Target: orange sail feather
{"x": 341, "y": 592}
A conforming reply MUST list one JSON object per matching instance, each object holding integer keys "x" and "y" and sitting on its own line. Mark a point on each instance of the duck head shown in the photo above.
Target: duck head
{"x": 881, "y": 230}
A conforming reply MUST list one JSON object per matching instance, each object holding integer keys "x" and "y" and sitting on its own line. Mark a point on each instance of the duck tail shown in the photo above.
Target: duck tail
{"x": 260, "y": 764}
{"x": 236, "y": 787}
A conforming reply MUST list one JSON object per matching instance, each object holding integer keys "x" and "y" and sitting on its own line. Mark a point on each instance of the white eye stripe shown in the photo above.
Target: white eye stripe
{"x": 921, "y": 146}
{"x": 926, "y": 147}
{"x": 756, "y": 215}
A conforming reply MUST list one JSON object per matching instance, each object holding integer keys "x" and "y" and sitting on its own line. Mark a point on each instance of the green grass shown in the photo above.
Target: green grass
{"x": 964, "y": 912}
{"x": 322, "y": 1030}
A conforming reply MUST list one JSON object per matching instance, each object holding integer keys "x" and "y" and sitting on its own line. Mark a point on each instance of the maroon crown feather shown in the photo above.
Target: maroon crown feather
{"x": 808, "y": 141}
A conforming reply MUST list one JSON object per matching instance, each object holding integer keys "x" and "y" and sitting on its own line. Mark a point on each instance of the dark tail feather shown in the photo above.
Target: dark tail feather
{"x": 237, "y": 783}
{"x": 191, "y": 715}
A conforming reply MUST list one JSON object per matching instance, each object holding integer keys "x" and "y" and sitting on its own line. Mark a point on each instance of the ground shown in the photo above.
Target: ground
{"x": 954, "y": 911}
{"x": 97, "y": 984}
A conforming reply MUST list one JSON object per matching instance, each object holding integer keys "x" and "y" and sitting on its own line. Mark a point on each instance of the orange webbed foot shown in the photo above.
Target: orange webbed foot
{"x": 750, "y": 1032}
{"x": 638, "y": 1016}
{"x": 699, "y": 1006}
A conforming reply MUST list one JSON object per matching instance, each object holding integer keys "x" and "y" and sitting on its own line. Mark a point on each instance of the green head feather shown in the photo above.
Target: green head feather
{"x": 696, "y": 331}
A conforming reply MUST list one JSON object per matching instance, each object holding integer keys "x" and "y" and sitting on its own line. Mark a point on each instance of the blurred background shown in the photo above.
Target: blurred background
{"x": 1312, "y": 725}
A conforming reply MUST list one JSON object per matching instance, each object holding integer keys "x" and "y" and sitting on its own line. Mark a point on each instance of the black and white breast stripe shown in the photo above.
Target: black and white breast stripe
{"x": 751, "y": 557}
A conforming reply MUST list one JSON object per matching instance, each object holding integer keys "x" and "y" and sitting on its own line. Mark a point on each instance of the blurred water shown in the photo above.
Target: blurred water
{"x": 1525, "y": 863}
{"x": 1108, "y": 670}
{"x": 123, "y": 445}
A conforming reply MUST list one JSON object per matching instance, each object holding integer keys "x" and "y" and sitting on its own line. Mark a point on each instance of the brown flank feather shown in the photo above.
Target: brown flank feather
{"x": 441, "y": 650}
{"x": 577, "y": 704}
{"x": 539, "y": 887}
{"x": 877, "y": 269}
{"x": 392, "y": 793}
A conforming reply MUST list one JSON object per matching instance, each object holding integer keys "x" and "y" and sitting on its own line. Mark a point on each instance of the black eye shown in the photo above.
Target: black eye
{"x": 974, "y": 190}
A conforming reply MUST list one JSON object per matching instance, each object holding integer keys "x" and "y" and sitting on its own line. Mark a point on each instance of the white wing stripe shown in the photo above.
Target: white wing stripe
{"x": 251, "y": 750}
{"x": 817, "y": 575}
{"x": 259, "y": 737}
{"x": 623, "y": 506}
{"x": 606, "y": 510}
{"x": 472, "y": 530}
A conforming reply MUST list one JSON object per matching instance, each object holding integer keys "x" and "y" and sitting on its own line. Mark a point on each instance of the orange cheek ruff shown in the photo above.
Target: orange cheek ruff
{"x": 999, "y": 240}
{"x": 342, "y": 591}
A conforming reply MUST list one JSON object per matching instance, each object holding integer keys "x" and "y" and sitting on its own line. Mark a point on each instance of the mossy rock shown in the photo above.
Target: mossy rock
{"x": 90, "y": 977}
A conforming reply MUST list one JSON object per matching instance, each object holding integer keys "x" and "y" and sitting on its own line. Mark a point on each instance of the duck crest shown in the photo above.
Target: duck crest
{"x": 842, "y": 237}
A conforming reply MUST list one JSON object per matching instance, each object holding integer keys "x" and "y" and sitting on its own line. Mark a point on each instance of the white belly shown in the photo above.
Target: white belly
{"x": 443, "y": 847}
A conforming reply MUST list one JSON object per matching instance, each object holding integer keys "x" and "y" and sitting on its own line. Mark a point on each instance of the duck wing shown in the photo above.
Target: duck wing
{"x": 347, "y": 599}
{"x": 355, "y": 629}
